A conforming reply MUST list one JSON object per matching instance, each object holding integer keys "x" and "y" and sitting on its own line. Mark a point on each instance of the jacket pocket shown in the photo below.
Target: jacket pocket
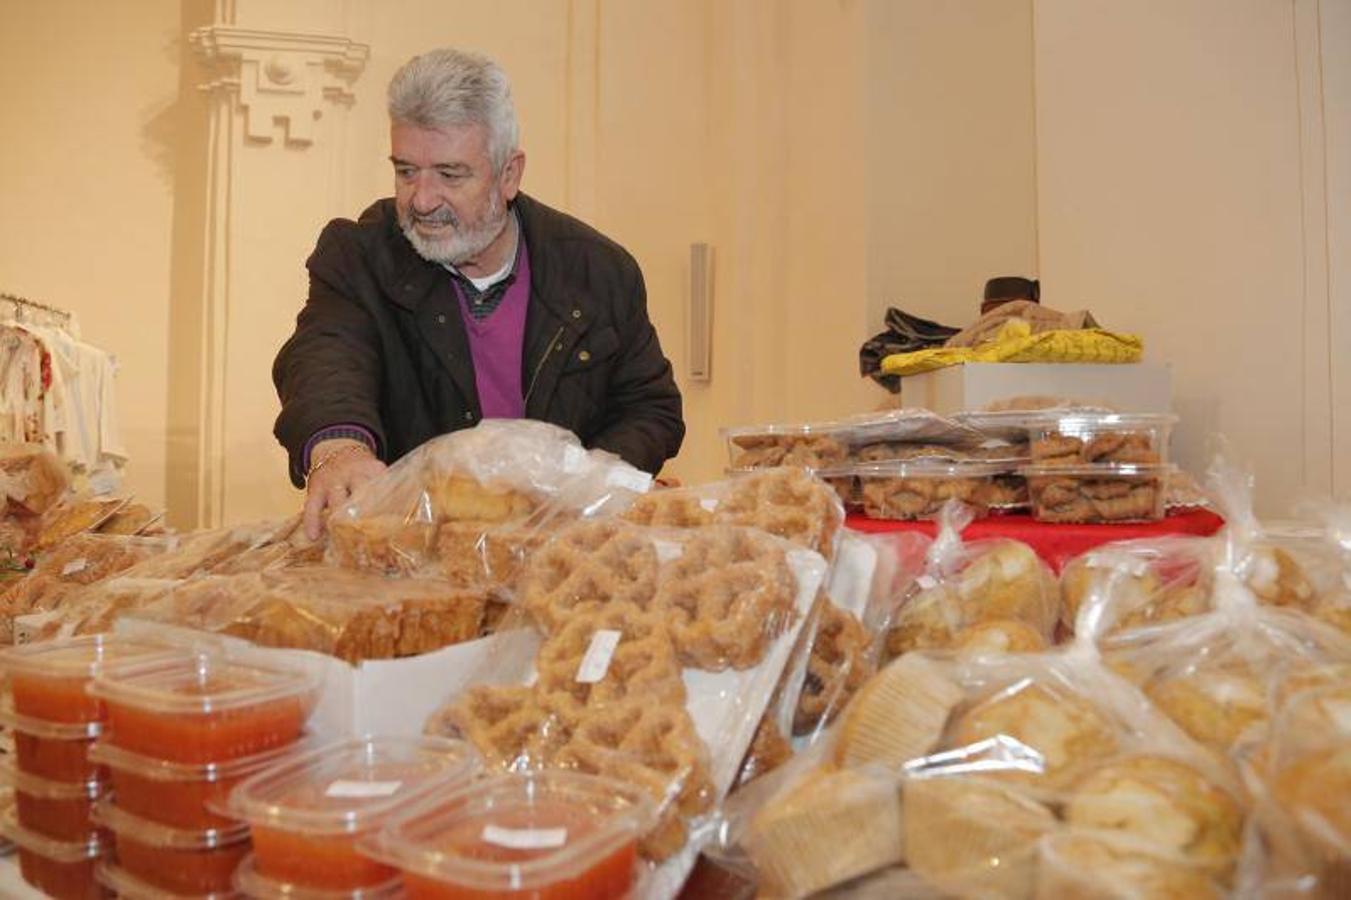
{"x": 595, "y": 351}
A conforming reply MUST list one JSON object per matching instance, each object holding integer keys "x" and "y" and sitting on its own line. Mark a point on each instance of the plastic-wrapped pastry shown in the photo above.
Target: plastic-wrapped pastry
{"x": 1095, "y": 866}
{"x": 1000, "y": 636}
{"x": 899, "y": 715}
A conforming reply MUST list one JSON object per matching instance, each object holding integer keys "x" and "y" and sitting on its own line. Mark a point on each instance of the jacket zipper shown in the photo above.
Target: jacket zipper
{"x": 553, "y": 342}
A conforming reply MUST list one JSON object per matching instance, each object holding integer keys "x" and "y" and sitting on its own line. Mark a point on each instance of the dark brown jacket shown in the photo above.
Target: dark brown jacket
{"x": 380, "y": 343}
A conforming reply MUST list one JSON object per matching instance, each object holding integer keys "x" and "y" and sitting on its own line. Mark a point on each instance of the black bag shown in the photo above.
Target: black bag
{"x": 905, "y": 334}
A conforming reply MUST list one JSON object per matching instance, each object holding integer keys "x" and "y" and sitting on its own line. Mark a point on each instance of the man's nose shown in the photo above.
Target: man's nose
{"x": 425, "y": 200}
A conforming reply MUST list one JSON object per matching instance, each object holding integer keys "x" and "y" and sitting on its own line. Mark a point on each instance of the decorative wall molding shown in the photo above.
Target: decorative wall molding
{"x": 279, "y": 76}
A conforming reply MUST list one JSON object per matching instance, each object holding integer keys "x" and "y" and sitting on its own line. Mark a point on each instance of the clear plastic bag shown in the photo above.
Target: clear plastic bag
{"x": 248, "y": 547}
{"x": 994, "y": 595}
{"x": 659, "y": 651}
{"x": 32, "y": 478}
{"x": 475, "y": 503}
{"x": 354, "y": 616}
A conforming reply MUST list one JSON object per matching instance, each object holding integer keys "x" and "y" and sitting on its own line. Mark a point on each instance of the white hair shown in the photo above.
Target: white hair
{"x": 448, "y": 87}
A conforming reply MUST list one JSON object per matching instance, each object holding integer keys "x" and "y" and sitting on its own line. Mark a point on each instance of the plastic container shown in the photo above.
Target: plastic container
{"x": 1079, "y": 438}
{"x": 173, "y": 859}
{"x": 1097, "y": 493}
{"x": 546, "y": 836}
{"x": 47, "y": 680}
{"x": 308, "y": 813}
{"x": 55, "y": 750}
{"x": 819, "y": 445}
{"x": 60, "y": 869}
{"x": 129, "y": 887}
{"x": 918, "y": 488}
{"x": 180, "y": 795}
{"x": 55, "y": 809}
{"x": 259, "y": 887}
{"x": 205, "y": 709}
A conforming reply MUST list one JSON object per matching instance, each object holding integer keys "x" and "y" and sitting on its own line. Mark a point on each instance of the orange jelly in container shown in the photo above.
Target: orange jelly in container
{"x": 541, "y": 836}
{"x": 48, "y": 680}
{"x": 129, "y": 887}
{"x": 61, "y": 869}
{"x": 206, "y": 708}
{"x": 56, "y": 809}
{"x": 173, "y": 859}
{"x": 58, "y": 751}
{"x": 308, "y": 813}
{"x": 181, "y": 795}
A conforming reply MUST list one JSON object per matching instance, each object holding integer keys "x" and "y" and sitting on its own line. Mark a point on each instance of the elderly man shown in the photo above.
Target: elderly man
{"x": 463, "y": 299}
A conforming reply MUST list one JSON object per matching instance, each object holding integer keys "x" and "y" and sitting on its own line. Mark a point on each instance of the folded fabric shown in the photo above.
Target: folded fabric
{"x": 987, "y": 327}
{"x": 905, "y": 333}
{"x": 1017, "y": 342}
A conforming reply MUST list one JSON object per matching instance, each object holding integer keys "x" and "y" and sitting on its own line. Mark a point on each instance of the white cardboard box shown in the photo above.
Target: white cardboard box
{"x": 1132, "y": 387}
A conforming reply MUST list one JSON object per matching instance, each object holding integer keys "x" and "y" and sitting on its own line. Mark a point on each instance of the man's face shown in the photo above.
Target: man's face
{"x": 451, "y": 204}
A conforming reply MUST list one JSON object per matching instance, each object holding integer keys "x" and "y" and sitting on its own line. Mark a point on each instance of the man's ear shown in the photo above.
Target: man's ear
{"x": 512, "y": 170}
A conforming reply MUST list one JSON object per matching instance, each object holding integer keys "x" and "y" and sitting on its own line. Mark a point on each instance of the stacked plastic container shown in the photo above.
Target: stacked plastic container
{"x": 543, "y": 836}
{"x": 56, "y": 783}
{"x": 1099, "y": 467}
{"x": 308, "y": 814}
{"x": 179, "y": 735}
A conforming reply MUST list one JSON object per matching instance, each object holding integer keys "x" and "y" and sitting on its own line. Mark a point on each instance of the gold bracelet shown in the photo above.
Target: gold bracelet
{"x": 342, "y": 451}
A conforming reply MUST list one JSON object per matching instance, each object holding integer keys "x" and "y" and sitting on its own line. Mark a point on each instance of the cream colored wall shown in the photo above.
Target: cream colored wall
{"x": 952, "y": 154}
{"x": 87, "y": 119}
{"x": 1334, "y": 78}
{"x": 1169, "y": 202}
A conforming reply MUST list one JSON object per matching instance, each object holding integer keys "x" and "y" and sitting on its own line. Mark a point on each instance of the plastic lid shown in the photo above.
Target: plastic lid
{"x": 923, "y": 467}
{"x": 129, "y": 887}
{"x": 42, "y": 728}
{"x": 1087, "y": 421}
{"x": 154, "y": 769}
{"x": 352, "y": 785}
{"x": 260, "y": 887}
{"x": 866, "y": 428}
{"x": 68, "y": 852}
{"x": 542, "y": 828}
{"x": 47, "y": 789}
{"x": 1099, "y": 470}
{"x": 201, "y": 685}
{"x": 153, "y": 834}
{"x": 80, "y": 657}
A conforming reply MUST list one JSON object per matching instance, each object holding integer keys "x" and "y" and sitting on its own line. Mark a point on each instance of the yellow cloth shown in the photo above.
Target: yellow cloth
{"x": 1015, "y": 342}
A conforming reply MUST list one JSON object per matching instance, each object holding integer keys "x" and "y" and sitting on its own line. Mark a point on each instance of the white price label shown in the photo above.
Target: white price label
{"x": 32, "y": 626}
{"x": 710, "y": 504}
{"x": 525, "y": 838}
{"x": 362, "y": 789}
{"x": 629, "y": 479}
{"x": 74, "y": 567}
{"x": 596, "y": 662}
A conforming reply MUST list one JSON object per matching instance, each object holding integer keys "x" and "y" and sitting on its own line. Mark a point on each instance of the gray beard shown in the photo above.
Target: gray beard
{"x": 463, "y": 243}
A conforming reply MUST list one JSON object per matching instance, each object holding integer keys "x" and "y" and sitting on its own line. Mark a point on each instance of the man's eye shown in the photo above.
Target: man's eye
{"x": 451, "y": 176}
{"x": 403, "y": 171}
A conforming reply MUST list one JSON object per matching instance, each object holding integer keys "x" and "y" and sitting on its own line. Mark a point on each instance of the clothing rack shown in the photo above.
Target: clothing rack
{"x": 21, "y": 302}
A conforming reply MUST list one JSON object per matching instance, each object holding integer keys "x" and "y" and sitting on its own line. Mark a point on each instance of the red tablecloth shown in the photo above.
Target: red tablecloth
{"x": 1057, "y": 544}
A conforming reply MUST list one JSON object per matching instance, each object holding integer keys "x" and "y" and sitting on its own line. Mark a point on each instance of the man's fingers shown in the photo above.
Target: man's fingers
{"x": 313, "y": 516}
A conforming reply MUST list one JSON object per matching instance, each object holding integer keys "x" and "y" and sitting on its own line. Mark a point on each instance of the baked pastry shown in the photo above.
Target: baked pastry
{"x": 760, "y": 451}
{"x": 1165, "y": 803}
{"x": 655, "y": 747}
{"x": 899, "y": 715}
{"x": 479, "y": 554}
{"x": 588, "y": 565}
{"x": 886, "y": 451}
{"x": 505, "y": 724}
{"x": 1009, "y": 581}
{"x": 916, "y": 497}
{"x": 1118, "y": 497}
{"x": 1313, "y": 793}
{"x": 973, "y": 838}
{"x": 839, "y": 664}
{"x": 130, "y": 519}
{"x": 1133, "y": 447}
{"x": 833, "y": 826}
{"x": 1000, "y": 636}
{"x": 64, "y": 521}
{"x": 458, "y": 498}
{"x": 1278, "y": 580}
{"x": 928, "y": 621}
{"x": 387, "y": 544}
{"x": 671, "y": 509}
{"x": 34, "y": 478}
{"x": 1053, "y": 735}
{"x": 789, "y": 503}
{"x": 1215, "y": 705}
{"x": 769, "y": 749}
{"x": 1096, "y": 866}
{"x": 728, "y": 596}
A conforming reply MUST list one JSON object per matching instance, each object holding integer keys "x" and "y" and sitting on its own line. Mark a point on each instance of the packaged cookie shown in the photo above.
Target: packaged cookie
{"x": 825, "y": 444}
{"x": 1097, "y": 493}
{"x": 1138, "y": 584}
{"x": 1082, "y": 438}
{"x": 918, "y": 489}
{"x": 473, "y": 504}
{"x": 658, "y": 652}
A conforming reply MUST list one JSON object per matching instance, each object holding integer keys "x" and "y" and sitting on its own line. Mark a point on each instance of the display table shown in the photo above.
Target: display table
{"x": 12, "y": 885}
{"x": 1055, "y": 543}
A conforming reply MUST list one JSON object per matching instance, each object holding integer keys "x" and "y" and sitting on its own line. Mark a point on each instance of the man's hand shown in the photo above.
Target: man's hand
{"x": 337, "y": 468}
